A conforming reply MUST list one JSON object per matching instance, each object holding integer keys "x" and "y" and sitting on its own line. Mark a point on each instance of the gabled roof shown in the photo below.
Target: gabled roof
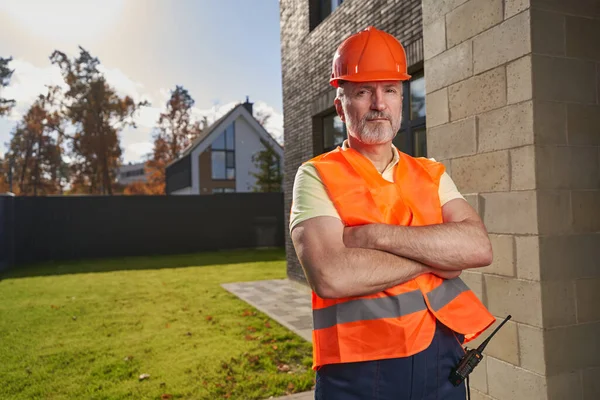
{"x": 213, "y": 127}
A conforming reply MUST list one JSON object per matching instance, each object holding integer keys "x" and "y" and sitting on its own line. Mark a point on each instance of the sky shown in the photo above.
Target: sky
{"x": 220, "y": 50}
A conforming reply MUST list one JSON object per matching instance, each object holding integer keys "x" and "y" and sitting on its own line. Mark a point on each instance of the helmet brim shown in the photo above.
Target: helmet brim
{"x": 375, "y": 76}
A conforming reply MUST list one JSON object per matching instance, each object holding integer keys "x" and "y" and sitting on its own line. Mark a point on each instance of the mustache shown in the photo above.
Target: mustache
{"x": 377, "y": 115}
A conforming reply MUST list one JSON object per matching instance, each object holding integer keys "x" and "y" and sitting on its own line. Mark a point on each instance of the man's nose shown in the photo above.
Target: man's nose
{"x": 377, "y": 100}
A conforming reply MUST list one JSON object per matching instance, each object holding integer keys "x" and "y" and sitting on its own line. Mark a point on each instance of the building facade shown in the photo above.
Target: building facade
{"x": 130, "y": 173}
{"x": 221, "y": 159}
{"x": 512, "y": 109}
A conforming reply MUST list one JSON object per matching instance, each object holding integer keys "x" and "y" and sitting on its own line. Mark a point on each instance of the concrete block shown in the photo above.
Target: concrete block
{"x": 510, "y": 213}
{"x": 531, "y": 347}
{"x": 575, "y": 80}
{"x": 504, "y": 256}
{"x": 586, "y": 211}
{"x": 449, "y": 67}
{"x": 478, "y": 379}
{"x": 434, "y": 9}
{"x": 590, "y": 383}
{"x": 472, "y": 18}
{"x": 474, "y": 280}
{"x": 503, "y": 43}
{"x": 508, "y": 296}
{"x": 473, "y": 200}
{"x": 565, "y": 386}
{"x": 567, "y": 167}
{"x": 582, "y": 35}
{"x": 522, "y": 168}
{"x": 478, "y": 94}
{"x": 528, "y": 257}
{"x": 452, "y": 140}
{"x": 571, "y": 348}
{"x": 487, "y": 172}
{"x": 518, "y": 80}
{"x": 570, "y": 256}
{"x": 448, "y": 165}
{"x": 550, "y": 123}
{"x": 583, "y": 124}
{"x": 588, "y": 298}
{"x": 507, "y": 127}
{"x": 554, "y": 212}
{"x": 477, "y": 395}
{"x": 505, "y": 345}
{"x": 547, "y": 33}
{"x": 438, "y": 112}
{"x": 513, "y": 7}
{"x": 558, "y": 299}
{"x": 515, "y": 383}
{"x": 434, "y": 38}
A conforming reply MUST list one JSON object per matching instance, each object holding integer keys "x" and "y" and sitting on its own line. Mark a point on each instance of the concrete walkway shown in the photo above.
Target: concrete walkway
{"x": 285, "y": 302}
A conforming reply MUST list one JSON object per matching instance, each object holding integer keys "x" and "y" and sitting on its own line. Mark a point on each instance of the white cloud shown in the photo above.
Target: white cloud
{"x": 137, "y": 152}
{"x": 28, "y": 81}
{"x": 274, "y": 124}
{"x": 124, "y": 85}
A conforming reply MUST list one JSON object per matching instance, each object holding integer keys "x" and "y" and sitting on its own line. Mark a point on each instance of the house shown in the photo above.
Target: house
{"x": 220, "y": 160}
{"x": 129, "y": 173}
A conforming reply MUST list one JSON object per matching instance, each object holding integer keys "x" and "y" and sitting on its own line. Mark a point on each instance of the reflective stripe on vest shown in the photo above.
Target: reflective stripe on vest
{"x": 387, "y": 307}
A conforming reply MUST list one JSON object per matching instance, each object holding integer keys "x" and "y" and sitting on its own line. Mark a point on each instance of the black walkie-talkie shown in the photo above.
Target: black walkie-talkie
{"x": 470, "y": 360}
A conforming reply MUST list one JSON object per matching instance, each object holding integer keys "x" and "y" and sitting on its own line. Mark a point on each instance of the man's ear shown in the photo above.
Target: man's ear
{"x": 339, "y": 109}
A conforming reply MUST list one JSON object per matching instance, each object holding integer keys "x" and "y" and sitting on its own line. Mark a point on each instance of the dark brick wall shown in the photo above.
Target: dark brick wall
{"x": 306, "y": 65}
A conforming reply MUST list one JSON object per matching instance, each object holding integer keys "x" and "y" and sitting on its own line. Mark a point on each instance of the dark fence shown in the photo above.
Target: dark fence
{"x": 37, "y": 229}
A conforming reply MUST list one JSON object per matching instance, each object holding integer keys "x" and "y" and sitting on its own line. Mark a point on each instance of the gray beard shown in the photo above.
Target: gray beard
{"x": 374, "y": 133}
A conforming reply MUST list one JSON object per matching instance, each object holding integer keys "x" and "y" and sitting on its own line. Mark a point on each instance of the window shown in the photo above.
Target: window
{"x": 223, "y": 190}
{"x": 321, "y": 9}
{"x": 411, "y": 138}
{"x": 334, "y": 132}
{"x": 135, "y": 172}
{"x": 223, "y": 155}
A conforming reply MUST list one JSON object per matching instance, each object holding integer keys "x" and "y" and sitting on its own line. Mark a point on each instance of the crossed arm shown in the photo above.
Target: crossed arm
{"x": 354, "y": 261}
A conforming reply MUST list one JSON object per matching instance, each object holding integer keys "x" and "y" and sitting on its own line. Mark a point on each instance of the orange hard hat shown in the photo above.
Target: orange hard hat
{"x": 369, "y": 55}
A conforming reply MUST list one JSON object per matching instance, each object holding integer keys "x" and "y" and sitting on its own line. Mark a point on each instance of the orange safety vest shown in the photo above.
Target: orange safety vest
{"x": 399, "y": 321}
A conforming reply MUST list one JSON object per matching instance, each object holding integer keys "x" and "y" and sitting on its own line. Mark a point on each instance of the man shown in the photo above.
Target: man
{"x": 382, "y": 238}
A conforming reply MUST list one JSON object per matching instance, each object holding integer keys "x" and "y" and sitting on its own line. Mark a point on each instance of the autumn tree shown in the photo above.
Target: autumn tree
{"x": 35, "y": 149}
{"x": 4, "y": 167}
{"x": 176, "y": 130}
{"x": 5, "y": 73}
{"x": 268, "y": 175}
{"x": 98, "y": 114}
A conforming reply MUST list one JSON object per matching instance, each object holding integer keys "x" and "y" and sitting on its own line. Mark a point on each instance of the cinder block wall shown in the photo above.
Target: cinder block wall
{"x": 306, "y": 66}
{"x": 513, "y": 111}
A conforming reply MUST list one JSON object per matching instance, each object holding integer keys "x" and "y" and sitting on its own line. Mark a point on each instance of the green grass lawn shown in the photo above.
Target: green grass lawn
{"x": 88, "y": 330}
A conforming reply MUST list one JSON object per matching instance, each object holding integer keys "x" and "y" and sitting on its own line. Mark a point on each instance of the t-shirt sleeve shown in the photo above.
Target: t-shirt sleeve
{"x": 309, "y": 197}
{"x": 448, "y": 190}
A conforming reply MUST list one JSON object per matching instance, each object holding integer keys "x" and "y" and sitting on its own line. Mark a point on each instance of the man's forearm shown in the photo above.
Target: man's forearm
{"x": 448, "y": 246}
{"x": 359, "y": 272}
